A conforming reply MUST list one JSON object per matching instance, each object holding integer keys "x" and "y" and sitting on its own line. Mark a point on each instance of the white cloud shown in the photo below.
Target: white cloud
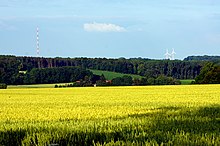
{"x": 103, "y": 27}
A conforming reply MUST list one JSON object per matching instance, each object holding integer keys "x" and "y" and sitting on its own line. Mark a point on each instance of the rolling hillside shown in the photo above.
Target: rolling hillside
{"x": 110, "y": 75}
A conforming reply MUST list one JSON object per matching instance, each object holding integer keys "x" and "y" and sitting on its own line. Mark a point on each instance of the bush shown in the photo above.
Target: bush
{"x": 3, "y": 86}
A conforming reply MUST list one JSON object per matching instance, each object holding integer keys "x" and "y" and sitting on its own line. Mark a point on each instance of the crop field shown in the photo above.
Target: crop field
{"x": 110, "y": 75}
{"x": 148, "y": 115}
{"x": 186, "y": 82}
{"x": 34, "y": 86}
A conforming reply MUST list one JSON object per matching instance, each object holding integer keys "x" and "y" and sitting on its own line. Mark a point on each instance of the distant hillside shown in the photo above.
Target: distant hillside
{"x": 110, "y": 75}
{"x": 202, "y": 58}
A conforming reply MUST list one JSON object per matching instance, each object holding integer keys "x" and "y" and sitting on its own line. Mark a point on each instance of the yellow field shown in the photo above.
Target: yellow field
{"x": 84, "y": 103}
{"x": 20, "y": 107}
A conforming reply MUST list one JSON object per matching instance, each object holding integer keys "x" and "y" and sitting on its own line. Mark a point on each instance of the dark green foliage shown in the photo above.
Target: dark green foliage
{"x": 163, "y": 80}
{"x": 9, "y": 69}
{"x": 140, "y": 82}
{"x": 176, "y": 69}
{"x": 12, "y": 137}
{"x": 151, "y": 81}
{"x": 122, "y": 81}
{"x": 202, "y": 58}
{"x": 95, "y": 78}
{"x": 11, "y": 65}
{"x": 102, "y": 81}
{"x": 210, "y": 74}
{"x": 56, "y": 75}
{"x": 3, "y": 86}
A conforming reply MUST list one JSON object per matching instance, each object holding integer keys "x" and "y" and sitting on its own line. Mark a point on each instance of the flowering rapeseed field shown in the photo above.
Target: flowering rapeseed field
{"x": 148, "y": 115}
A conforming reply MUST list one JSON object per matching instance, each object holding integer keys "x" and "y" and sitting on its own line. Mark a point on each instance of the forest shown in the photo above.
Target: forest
{"x": 23, "y": 70}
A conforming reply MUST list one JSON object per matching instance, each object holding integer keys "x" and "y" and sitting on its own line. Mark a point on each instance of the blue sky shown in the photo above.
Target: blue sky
{"x": 110, "y": 28}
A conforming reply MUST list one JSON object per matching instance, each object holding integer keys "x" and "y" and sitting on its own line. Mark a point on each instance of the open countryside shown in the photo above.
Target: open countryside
{"x": 109, "y": 73}
{"x": 151, "y": 115}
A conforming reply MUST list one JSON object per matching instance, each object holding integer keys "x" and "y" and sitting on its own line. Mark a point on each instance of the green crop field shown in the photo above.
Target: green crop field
{"x": 148, "y": 115}
{"x": 34, "y": 86}
{"x": 186, "y": 82}
{"x": 110, "y": 75}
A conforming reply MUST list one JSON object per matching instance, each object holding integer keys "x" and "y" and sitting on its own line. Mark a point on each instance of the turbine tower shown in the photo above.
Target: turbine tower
{"x": 167, "y": 55}
{"x": 173, "y": 55}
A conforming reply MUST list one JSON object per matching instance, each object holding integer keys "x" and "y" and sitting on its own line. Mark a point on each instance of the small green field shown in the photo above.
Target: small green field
{"x": 186, "y": 82}
{"x": 34, "y": 86}
{"x": 110, "y": 75}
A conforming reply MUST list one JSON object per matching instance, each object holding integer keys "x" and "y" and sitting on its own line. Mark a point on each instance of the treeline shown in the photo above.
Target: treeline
{"x": 56, "y": 75}
{"x": 160, "y": 80}
{"x": 210, "y": 74}
{"x": 202, "y": 58}
{"x": 80, "y": 77}
{"x": 144, "y": 67}
{"x": 9, "y": 69}
{"x": 120, "y": 81}
{"x": 3, "y": 86}
{"x": 12, "y": 67}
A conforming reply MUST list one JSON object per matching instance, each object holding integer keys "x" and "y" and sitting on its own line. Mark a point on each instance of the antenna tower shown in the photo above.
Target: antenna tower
{"x": 38, "y": 46}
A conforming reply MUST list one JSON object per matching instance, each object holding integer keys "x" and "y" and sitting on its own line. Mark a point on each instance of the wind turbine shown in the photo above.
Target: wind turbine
{"x": 173, "y": 55}
{"x": 167, "y": 55}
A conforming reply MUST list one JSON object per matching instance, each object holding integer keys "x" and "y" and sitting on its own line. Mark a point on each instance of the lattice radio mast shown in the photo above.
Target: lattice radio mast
{"x": 38, "y": 48}
{"x": 38, "y": 45}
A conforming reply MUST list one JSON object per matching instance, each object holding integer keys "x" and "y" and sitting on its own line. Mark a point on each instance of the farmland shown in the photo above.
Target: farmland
{"x": 150, "y": 115}
{"x": 110, "y": 75}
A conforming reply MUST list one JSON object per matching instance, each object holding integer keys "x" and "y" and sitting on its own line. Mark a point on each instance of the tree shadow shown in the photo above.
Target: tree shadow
{"x": 167, "y": 123}
{"x": 12, "y": 137}
{"x": 200, "y": 122}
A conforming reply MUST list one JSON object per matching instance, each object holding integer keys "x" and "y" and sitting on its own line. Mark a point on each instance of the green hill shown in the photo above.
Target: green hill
{"x": 110, "y": 75}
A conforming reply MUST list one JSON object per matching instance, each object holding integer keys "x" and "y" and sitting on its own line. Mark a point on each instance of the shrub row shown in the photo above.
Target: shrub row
{"x": 3, "y": 86}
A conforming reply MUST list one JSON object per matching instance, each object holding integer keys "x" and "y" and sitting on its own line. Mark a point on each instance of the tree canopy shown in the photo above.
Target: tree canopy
{"x": 13, "y": 69}
{"x": 210, "y": 74}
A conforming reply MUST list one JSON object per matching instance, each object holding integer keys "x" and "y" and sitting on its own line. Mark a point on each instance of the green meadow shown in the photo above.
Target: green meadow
{"x": 110, "y": 75}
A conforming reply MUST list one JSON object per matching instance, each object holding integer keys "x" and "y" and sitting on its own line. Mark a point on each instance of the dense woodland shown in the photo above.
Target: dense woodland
{"x": 12, "y": 68}
{"x": 202, "y": 58}
{"x": 144, "y": 67}
{"x": 210, "y": 74}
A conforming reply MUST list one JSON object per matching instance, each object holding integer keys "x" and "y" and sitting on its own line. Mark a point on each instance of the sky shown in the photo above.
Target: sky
{"x": 110, "y": 28}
